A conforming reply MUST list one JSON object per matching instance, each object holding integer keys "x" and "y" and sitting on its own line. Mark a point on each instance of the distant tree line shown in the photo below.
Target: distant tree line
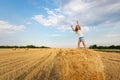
{"x": 105, "y": 47}
{"x": 28, "y": 46}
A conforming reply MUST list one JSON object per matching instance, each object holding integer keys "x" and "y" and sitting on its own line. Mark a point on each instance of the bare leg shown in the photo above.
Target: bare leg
{"x": 78, "y": 43}
{"x": 84, "y": 44}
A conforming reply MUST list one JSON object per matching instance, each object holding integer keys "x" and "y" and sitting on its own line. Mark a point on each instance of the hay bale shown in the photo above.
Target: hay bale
{"x": 77, "y": 64}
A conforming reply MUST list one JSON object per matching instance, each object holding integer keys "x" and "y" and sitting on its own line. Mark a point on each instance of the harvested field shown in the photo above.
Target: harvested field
{"x": 55, "y": 64}
{"x": 111, "y": 62}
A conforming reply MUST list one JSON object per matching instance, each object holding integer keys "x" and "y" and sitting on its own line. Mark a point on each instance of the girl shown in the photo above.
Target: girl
{"x": 81, "y": 36}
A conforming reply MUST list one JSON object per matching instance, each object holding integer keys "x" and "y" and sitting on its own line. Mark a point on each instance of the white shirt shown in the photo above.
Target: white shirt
{"x": 80, "y": 34}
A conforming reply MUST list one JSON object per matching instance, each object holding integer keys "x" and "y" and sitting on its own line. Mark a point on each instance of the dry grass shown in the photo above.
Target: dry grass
{"x": 56, "y": 64}
{"x": 111, "y": 63}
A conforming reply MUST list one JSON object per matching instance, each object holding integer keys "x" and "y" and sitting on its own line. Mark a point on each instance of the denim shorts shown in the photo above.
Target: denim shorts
{"x": 81, "y": 38}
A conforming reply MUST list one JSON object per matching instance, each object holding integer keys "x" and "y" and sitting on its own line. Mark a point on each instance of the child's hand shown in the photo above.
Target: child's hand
{"x": 72, "y": 28}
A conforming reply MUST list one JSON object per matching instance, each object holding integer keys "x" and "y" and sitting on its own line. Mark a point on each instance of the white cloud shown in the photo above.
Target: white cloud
{"x": 29, "y": 23}
{"x": 109, "y": 24}
{"x": 67, "y": 27}
{"x": 56, "y": 19}
{"x": 85, "y": 28}
{"x": 112, "y": 35}
{"x": 104, "y": 13}
{"x": 64, "y": 27}
{"x": 6, "y": 27}
{"x": 92, "y": 12}
{"x": 55, "y": 35}
{"x": 53, "y": 19}
{"x": 73, "y": 7}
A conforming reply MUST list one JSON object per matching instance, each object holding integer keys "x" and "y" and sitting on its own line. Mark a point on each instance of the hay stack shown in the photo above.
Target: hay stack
{"x": 77, "y": 64}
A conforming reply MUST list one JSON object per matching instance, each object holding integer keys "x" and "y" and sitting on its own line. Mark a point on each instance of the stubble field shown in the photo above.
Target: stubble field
{"x": 58, "y": 64}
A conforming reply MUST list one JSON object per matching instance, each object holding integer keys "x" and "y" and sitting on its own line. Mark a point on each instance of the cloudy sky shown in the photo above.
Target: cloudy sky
{"x": 47, "y": 22}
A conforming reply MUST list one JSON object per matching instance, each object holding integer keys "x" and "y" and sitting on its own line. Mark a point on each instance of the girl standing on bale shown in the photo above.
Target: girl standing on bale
{"x": 80, "y": 34}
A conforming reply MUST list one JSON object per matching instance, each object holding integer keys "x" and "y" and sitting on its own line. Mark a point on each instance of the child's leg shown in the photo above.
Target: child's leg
{"x": 79, "y": 43}
{"x": 84, "y": 44}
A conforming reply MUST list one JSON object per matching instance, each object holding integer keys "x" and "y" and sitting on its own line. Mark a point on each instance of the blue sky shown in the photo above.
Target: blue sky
{"x": 47, "y": 22}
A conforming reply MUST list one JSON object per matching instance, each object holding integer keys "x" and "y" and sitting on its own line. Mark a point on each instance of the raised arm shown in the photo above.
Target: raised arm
{"x": 72, "y": 28}
{"x": 78, "y": 24}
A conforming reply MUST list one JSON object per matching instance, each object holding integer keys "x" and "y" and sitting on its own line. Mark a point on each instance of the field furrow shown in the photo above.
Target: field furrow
{"x": 16, "y": 65}
{"x": 44, "y": 68}
{"x": 24, "y": 74}
{"x": 24, "y": 67}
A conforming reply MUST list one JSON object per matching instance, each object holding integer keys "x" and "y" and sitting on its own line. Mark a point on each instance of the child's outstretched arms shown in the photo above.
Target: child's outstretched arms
{"x": 72, "y": 28}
